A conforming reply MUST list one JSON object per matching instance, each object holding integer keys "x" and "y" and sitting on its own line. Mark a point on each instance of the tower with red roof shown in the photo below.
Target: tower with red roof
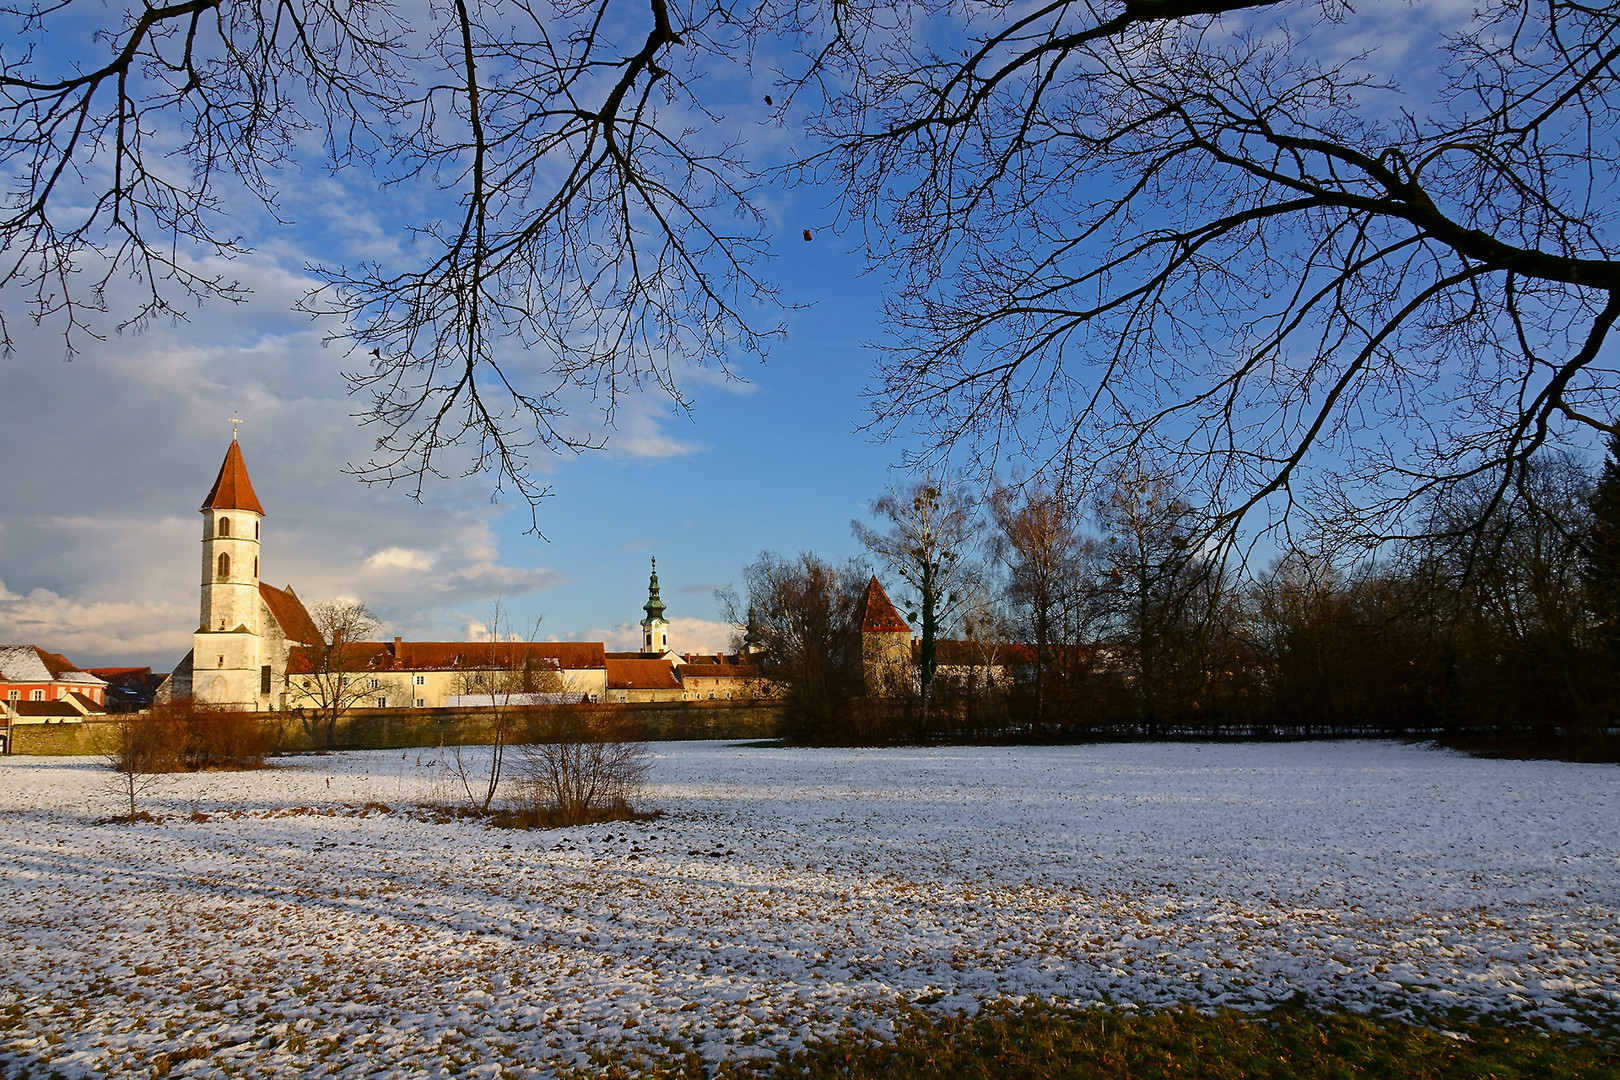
{"x": 245, "y": 627}
{"x": 885, "y": 644}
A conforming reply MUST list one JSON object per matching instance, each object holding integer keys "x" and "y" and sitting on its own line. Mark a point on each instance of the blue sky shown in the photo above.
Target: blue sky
{"x": 109, "y": 454}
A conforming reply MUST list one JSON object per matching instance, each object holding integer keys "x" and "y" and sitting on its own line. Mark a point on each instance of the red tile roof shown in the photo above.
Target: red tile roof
{"x": 290, "y": 614}
{"x": 350, "y": 656}
{"x": 47, "y": 708}
{"x": 472, "y": 655}
{"x": 641, "y": 675}
{"x": 878, "y": 615}
{"x": 232, "y": 489}
{"x": 57, "y": 664}
{"x": 949, "y": 653}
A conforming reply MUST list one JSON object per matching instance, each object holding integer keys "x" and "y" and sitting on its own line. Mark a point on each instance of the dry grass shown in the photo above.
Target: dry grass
{"x": 1043, "y": 1041}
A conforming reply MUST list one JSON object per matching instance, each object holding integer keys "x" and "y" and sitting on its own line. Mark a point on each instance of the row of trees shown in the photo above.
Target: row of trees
{"x": 1122, "y": 611}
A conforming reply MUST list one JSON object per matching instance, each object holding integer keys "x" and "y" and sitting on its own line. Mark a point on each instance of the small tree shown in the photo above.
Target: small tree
{"x": 508, "y": 674}
{"x": 138, "y": 748}
{"x": 339, "y": 671}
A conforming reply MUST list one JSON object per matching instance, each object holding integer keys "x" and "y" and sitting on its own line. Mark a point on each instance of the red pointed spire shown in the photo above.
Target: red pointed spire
{"x": 878, "y": 615}
{"x": 232, "y": 489}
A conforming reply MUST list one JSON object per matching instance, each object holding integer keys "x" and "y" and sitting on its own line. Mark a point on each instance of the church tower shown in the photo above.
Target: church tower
{"x": 654, "y": 628}
{"x": 226, "y": 665}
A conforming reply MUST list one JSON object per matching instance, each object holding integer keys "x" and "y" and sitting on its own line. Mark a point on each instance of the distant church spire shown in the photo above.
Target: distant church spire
{"x": 654, "y": 629}
{"x": 655, "y": 606}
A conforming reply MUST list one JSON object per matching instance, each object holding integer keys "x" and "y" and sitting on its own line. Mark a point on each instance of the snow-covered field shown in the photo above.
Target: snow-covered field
{"x": 274, "y": 924}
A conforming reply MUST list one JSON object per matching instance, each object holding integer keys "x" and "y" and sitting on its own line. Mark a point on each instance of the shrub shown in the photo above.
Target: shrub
{"x": 221, "y": 739}
{"x": 587, "y": 764}
{"x": 184, "y": 736}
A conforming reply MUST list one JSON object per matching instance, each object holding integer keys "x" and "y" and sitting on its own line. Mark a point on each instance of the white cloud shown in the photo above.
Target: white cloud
{"x": 101, "y": 526}
{"x": 686, "y": 635}
{"x": 397, "y": 558}
{"x": 93, "y": 632}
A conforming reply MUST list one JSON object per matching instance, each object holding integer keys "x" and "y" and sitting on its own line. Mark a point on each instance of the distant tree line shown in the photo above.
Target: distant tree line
{"x": 1047, "y": 613}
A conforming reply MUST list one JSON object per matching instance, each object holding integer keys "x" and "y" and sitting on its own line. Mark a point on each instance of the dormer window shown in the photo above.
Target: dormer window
{"x": 224, "y": 567}
{"x": 224, "y": 526}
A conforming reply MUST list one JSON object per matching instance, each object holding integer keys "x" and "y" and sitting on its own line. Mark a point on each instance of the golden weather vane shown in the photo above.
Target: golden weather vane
{"x": 235, "y": 423}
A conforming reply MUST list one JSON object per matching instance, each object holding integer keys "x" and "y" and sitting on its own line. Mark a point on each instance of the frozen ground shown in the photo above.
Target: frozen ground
{"x": 272, "y": 924}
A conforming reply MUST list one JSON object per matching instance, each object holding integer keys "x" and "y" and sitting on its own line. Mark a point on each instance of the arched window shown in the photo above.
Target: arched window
{"x": 224, "y": 526}
{"x": 255, "y": 567}
{"x": 224, "y": 567}
{"x": 255, "y": 530}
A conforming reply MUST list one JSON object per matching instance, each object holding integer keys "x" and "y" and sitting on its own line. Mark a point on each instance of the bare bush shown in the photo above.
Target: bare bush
{"x": 589, "y": 765}
{"x": 222, "y": 739}
{"x": 181, "y": 736}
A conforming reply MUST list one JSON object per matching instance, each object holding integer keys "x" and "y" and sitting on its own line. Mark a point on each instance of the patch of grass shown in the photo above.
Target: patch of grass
{"x": 139, "y": 817}
{"x": 1038, "y": 1041}
{"x": 519, "y": 818}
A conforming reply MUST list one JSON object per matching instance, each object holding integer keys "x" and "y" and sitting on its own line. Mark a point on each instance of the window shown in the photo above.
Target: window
{"x": 421, "y": 703}
{"x": 382, "y": 703}
{"x": 255, "y": 567}
{"x": 14, "y": 694}
{"x": 224, "y": 567}
{"x": 478, "y": 680}
{"x": 421, "y": 680}
{"x": 372, "y": 684}
{"x": 264, "y": 679}
{"x": 255, "y": 530}
{"x": 36, "y": 695}
{"x": 221, "y": 655}
{"x": 224, "y": 526}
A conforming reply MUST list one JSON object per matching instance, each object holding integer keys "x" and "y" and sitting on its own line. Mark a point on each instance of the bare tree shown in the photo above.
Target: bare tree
{"x": 1199, "y": 228}
{"x": 1222, "y": 238}
{"x": 1047, "y": 557}
{"x": 802, "y": 613}
{"x": 1167, "y": 592}
{"x": 330, "y": 677}
{"x": 504, "y": 676}
{"x": 138, "y": 748}
{"x": 929, "y": 542}
{"x": 582, "y": 208}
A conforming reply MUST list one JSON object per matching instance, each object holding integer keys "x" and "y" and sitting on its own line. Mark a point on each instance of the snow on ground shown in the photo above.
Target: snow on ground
{"x": 275, "y": 923}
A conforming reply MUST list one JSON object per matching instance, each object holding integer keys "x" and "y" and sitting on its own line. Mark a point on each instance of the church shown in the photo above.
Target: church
{"x": 247, "y": 628}
{"x": 256, "y": 648}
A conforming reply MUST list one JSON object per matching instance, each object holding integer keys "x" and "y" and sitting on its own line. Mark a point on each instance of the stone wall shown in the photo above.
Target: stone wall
{"x": 85, "y": 737}
{"x": 381, "y": 729}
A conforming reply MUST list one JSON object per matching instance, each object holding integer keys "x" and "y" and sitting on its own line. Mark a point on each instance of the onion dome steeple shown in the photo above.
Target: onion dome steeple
{"x": 654, "y": 628}
{"x": 654, "y": 607}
